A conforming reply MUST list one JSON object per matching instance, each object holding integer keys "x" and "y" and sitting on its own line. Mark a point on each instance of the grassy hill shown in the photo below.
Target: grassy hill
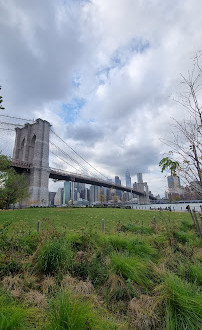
{"x": 139, "y": 274}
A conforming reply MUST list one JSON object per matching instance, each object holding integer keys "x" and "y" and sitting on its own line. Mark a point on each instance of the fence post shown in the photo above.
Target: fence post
{"x": 142, "y": 227}
{"x": 103, "y": 225}
{"x": 197, "y": 223}
{"x": 38, "y": 226}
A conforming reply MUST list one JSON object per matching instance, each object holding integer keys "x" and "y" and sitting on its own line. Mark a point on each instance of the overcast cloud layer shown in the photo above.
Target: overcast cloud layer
{"x": 102, "y": 72}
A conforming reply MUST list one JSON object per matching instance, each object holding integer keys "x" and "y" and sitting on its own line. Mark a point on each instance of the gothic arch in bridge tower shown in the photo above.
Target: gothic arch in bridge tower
{"x": 32, "y": 146}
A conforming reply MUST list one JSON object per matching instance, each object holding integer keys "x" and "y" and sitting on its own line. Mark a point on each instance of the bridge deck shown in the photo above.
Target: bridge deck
{"x": 61, "y": 175}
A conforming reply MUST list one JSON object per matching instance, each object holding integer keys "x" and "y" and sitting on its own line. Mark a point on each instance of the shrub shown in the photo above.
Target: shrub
{"x": 54, "y": 256}
{"x": 182, "y": 304}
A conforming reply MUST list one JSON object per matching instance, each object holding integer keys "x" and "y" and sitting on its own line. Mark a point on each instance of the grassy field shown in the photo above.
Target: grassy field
{"x": 91, "y": 218}
{"x": 139, "y": 274}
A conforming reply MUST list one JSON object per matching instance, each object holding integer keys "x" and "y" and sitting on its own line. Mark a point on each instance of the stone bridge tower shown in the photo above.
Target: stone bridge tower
{"x": 32, "y": 146}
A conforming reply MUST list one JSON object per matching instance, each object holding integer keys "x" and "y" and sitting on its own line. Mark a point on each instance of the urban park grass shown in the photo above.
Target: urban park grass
{"x": 88, "y": 218}
{"x": 138, "y": 274}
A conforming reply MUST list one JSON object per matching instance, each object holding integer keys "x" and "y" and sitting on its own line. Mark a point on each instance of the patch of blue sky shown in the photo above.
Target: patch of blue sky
{"x": 71, "y": 111}
{"x": 121, "y": 56}
{"x": 76, "y": 80}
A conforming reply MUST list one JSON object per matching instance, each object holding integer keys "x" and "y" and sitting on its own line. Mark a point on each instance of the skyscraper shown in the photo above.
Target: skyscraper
{"x": 128, "y": 179}
{"x": 67, "y": 192}
{"x": 139, "y": 178}
{"x": 118, "y": 181}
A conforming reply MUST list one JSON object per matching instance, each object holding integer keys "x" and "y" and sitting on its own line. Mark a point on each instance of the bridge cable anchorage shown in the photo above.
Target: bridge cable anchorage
{"x": 78, "y": 154}
{"x": 17, "y": 118}
{"x": 66, "y": 154}
{"x": 63, "y": 160}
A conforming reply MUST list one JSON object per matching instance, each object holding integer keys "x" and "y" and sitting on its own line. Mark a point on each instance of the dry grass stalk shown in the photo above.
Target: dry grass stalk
{"x": 142, "y": 313}
{"x": 35, "y": 298}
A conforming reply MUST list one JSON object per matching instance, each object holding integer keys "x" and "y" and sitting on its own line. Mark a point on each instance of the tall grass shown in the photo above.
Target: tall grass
{"x": 54, "y": 256}
{"x": 132, "y": 246}
{"x": 70, "y": 312}
{"x": 11, "y": 316}
{"x": 191, "y": 272}
{"x": 132, "y": 268}
{"x": 183, "y": 304}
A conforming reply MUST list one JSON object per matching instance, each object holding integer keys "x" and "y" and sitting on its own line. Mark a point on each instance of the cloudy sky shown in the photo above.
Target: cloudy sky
{"x": 103, "y": 72}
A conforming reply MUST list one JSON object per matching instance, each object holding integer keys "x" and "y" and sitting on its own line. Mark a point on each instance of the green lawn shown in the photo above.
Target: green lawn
{"x": 88, "y": 218}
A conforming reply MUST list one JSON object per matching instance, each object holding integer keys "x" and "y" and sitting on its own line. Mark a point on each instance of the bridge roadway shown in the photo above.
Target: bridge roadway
{"x": 61, "y": 175}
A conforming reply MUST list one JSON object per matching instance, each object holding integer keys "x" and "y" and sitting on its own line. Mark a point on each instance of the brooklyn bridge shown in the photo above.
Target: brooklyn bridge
{"x": 34, "y": 143}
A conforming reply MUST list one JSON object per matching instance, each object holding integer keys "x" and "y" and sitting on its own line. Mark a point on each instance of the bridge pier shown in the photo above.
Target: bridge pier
{"x": 32, "y": 146}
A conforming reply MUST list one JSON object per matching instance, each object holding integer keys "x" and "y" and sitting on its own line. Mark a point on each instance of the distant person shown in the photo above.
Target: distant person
{"x": 188, "y": 208}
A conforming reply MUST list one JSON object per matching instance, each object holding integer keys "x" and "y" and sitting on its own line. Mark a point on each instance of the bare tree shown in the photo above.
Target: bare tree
{"x": 186, "y": 142}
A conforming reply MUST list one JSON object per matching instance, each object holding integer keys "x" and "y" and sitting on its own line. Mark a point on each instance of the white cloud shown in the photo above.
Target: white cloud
{"x": 126, "y": 57}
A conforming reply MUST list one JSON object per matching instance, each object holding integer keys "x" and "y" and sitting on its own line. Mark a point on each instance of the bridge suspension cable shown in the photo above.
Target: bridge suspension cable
{"x": 82, "y": 166}
{"x": 17, "y": 118}
{"x": 85, "y": 170}
{"x": 79, "y": 155}
{"x": 63, "y": 160}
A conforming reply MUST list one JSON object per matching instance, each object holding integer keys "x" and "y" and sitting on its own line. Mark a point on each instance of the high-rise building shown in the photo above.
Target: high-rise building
{"x": 128, "y": 179}
{"x": 173, "y": 182}
{"x": 51, "y": 198}
{"x": 94, "y": 194}
{"x": 174, "y": 187}
{"x": 67, "y": 192}
{"x": 118, "y": 182}
{"x": 58, "y": 200}
{"x": 139, "y": 178}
